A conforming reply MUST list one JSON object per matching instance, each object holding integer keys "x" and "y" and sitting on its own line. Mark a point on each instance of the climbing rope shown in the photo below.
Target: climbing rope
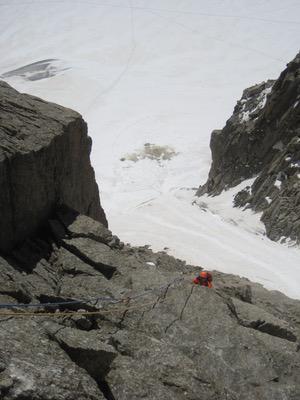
{"x": 58, "y": 303}
{"x": 108, "y": 300}
{"x": 70, "y": 313}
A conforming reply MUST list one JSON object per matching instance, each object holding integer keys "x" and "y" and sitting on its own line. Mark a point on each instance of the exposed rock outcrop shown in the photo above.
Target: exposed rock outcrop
{"x": 262, "y": 140}
{"x": 147, "y": 332}
{"x": 44, "y": 161}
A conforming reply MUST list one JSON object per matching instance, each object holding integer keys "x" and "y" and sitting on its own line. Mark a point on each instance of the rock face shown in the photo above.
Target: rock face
{"x": 44, "y": 161}
{"x": 262, "y": 140}
{"x": 143, "y": 332}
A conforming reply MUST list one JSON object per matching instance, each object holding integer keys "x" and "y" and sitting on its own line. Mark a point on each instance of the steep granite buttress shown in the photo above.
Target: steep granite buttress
{"x": 44, "y": 162}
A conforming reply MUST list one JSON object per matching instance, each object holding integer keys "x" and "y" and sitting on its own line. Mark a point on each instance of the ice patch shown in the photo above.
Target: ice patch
{"x": 244, "y": 116}
{"x": 277, "y": 183}
{"x": 262, "y": 99}
{"x": 295, "y": 164}
{"x": 269, "y": 200}
{"x": 287, "y": 241}
{"x": 38, "y": 70}
{"x": 152, "y": 264}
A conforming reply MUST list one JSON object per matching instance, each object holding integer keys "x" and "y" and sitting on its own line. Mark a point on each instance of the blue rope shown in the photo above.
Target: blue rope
{"x": 59, "y": 303}
{"x": 96, "y": 299}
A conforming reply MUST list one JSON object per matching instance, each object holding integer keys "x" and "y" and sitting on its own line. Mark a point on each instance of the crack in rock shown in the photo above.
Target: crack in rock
{"x": 182, "y": 310}
{"x": 251, "y": 316}
{"x": 87, "y": 351}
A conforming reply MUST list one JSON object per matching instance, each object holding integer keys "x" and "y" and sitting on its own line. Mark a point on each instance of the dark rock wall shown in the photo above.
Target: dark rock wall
{"x": 236, "y": 151}
{"x": 262, "y": 140}
{"x": 44, "y": 161}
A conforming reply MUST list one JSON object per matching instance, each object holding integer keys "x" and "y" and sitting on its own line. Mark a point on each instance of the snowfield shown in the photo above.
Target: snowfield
{"x": 163, "y": 73}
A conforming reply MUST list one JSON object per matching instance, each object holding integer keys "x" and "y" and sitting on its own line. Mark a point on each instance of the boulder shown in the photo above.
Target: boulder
{"x": 254, "y": 317}
{"x": 85, "y": 348}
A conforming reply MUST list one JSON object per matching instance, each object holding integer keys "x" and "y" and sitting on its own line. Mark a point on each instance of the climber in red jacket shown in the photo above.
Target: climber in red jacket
{"x": 204, "y": 279}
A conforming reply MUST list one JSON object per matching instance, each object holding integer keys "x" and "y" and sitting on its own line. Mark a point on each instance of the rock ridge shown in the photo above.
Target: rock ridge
{"x": 261, "y": 140}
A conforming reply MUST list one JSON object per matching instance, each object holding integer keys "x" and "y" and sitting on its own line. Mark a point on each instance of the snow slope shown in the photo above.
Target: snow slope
{"x": 165, "y": 72}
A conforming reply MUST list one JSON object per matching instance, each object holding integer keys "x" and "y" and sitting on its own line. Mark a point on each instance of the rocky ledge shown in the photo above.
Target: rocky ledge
{"x": 262, "y": 140}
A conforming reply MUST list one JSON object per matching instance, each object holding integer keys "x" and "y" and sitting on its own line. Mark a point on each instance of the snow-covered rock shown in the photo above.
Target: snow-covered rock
{"x": 266, "y": 146}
